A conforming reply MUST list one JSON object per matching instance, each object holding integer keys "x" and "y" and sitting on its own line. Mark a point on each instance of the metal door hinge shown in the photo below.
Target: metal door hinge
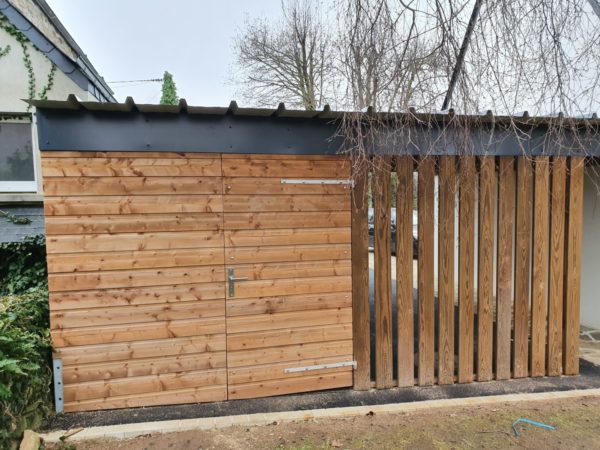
{"x": 313, "y": 181}
{"x": 321, "y": 366}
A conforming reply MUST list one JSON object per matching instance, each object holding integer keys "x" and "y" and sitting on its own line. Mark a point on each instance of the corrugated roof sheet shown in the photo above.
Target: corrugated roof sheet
{"x": 72, "y": 103}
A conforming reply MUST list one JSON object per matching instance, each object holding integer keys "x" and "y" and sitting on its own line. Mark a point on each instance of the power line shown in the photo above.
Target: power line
{"x": 150, "y": 80}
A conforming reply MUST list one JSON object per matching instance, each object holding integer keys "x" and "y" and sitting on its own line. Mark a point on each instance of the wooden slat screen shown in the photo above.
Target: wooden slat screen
{"x": 509, "y": 308}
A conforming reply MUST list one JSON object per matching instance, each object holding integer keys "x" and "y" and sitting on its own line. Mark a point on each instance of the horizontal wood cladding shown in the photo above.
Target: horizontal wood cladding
{"x": 97, "y": 317}
{"x": 130, "y": 167}
{"x": 143, "y": 204}
{"x": 270, "y": 220}
{"x": 63, "y": 186}
{"x": 149, "y": 350}
{"x": 127, "y": 260}
{"x": 202, "y": 394}
{"x": 136, "y": 296}
{"x": 281, "y": 168}
{"x": 284, "y": 253}
{"x": 288, "y": 303}
{"x": 140, "y": 223}
{"x": 284, "y": 203}
{"x": 156, "y": 365}
{"x": 134, "y": 278}
{"x": 138, "y": 247}
{"x": 132, "y": 241}
{"x": 292, "y": 243}
{"x": 137, "y": 331}
{"x": 246, "y": 238}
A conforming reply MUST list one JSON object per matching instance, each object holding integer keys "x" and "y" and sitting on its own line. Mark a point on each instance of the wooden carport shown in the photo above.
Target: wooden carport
{"x": 203, "y": 254}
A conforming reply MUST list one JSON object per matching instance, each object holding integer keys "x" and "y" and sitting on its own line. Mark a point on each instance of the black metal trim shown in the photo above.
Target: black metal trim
{"x": 88, "y": 130}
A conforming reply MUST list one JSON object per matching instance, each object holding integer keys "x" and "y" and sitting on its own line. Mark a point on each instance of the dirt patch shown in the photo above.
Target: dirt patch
{"x": 577, "y": 423}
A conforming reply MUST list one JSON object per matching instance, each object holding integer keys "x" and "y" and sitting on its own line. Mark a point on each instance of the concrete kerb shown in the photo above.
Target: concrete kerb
{"x": 126, "y": 431}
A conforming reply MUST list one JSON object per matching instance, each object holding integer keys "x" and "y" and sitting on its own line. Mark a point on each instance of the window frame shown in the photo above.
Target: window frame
{"x": 27, "y": 187}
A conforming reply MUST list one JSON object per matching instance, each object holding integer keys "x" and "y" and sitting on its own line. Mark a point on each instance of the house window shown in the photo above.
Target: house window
{"x": 17, "y": 165}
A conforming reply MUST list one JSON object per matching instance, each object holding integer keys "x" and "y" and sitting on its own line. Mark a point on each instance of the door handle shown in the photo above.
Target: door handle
{"x": 232, "y": 279}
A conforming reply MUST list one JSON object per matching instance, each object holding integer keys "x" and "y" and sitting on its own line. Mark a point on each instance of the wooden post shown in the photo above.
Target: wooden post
{"x": 485, "y": 277}
{"x": 425, "y": 272}
{"x": 383, "y": 282}
{"x": 447, "y": 209}
{"x": 506, "y": 214}
{"x": 539, "y": 281}
{"x": 404, "y": 271}
{"x": 361, "y": 325}
{"x": 556, "y": 271}
{"x": 466, "y": 269}
{"x": 522, "y": 267}
{"x": 573, "y": 267}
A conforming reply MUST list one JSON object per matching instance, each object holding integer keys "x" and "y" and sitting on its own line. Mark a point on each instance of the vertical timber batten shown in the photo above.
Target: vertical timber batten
{"x": 573, "y": 266}
{"x": 361, "y": 328}
{"x": 425, "y": 271}
{"x": 383, "y": 288}
{"x": 404, "y": 271}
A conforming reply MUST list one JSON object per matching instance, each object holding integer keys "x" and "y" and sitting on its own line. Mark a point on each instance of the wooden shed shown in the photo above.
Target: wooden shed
{"x": 205, "y": 254}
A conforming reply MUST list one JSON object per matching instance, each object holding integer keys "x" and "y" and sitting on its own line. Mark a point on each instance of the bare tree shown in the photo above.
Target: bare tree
{"x": 288, "y": 61}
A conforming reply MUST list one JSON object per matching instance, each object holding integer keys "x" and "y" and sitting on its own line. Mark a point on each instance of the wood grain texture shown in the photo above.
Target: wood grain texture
{"x": 143, "y": 367}
{"x": 572, "y": 290}
{"x": 144, "y": 259}
{"x": 138, "y": 223}
{"x": 325, "y": 169}
{"x": 84, "y": 243}
{"x": 504, "y": 266}
{"x": 361, "y": 321}
{"x": 404, "y": 271}
{"x": 383, "y": 284}
{"x": 425, "y": 272}
{"x": 252, "y": 238}
{"x": 77, "y": 186}
{"x": 556, "y": 272}
{"x": 522, "y": 267}
{"x": 288, "y": 253}
{"x": 288, "y": 303}
{"x": 485, "y": 265}
{"x": 132, "y": 204}
{"x": 447, "y": 208}
{"x": 130, "y": 167}
{"x": 271, "y": 220}
{"x": 540, "y": 251}
{"x": 136, "y": 296}
{"x": 466, "y": 269}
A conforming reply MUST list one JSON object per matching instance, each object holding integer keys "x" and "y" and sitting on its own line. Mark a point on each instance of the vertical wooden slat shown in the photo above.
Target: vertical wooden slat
{"x": 539, "y": 281}
{"x": 360, "y": 280}
{"x": 485, "y": 277}
{"x": 425, "y": 272}
{"x": 447, "y": 196}
{"x": 383, "y": 287}
{"x": 404, "y": 271}
{"x": 522, "y": 267}
{"x": 466, "y": 268}
{"x": 573, "y": 266}
{"x": 556, "y": 271}
{"x": 506, "y": 204}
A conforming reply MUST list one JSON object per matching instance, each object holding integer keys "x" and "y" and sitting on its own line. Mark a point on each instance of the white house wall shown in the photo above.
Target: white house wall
{"x": 590, "y": 262}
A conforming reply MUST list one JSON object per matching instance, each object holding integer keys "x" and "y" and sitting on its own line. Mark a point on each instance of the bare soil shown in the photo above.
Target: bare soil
{"x": 577, "y": 423}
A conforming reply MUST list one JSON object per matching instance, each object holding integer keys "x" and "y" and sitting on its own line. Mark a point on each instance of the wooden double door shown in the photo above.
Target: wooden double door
{"x": 182, "y": 278}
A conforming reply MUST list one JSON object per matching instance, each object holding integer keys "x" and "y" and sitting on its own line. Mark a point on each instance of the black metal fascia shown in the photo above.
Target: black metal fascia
{"x": 86, "y": 130}
{"x": 58, "y": 58}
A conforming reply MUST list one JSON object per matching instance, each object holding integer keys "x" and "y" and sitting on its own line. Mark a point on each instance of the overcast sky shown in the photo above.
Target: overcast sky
{"x": 140, "y": 39}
